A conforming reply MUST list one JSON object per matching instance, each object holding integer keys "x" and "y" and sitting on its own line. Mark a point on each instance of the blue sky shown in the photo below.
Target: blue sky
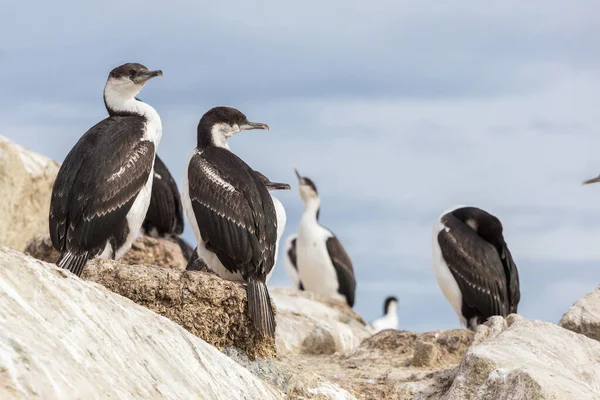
{"x": 397, "y": 110}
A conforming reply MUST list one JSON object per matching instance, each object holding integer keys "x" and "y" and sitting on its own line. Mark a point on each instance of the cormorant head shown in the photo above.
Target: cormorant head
{"x": 220, "y": 123}
{"x": 390, "y": 305}
{"x": 127, "y": 80}
{"x": 307, "y": 188}
{"x": 272, "y": 185}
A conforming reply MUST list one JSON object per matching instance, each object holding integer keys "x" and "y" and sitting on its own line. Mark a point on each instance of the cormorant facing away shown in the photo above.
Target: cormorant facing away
{"x": 165, "y": 214}
{"x": 323, "y": 265}
{"x": 473, "y": 265}
{"x": 231, "y": 212}
{"x": 389, "y": 320}
{"x": 102, "y": 190}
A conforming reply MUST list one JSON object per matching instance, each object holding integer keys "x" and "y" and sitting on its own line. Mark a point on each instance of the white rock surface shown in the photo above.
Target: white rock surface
{"x": 584, "y": 316}
{"x": 26, "y": 180}
{"x": 64, "y": 338}
{"x": 529, "y": 360}
{"x": 310, "y": 324}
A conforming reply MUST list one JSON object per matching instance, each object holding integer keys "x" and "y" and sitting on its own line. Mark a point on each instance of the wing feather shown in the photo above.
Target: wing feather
{"x": 235, "y": 214}
{"x": 476, "y": 266}
{"x": 343, "y": 268}
{"x": 98, "y": 183}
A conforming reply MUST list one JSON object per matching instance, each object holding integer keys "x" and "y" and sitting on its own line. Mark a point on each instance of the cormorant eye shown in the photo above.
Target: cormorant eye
{"x": 132, "y": 72}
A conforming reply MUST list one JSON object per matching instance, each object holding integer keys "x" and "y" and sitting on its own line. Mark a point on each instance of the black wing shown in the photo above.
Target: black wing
{"x": 343, "y": 268}
{"x": 476, "y": 266}
{"x": 510, "y": 269}
{"x": 234, "y": 211}
{"x": 165, "y": 212}
{"x": 292, "y": 254}
{"x": 98, "y": 183}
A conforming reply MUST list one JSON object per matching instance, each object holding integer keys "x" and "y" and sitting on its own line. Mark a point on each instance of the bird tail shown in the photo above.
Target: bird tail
{"x": 72, "y": 262}
{"x": 261, "y": 311}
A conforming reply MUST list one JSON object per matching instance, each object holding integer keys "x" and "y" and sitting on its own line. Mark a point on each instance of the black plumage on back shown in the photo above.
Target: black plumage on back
{"x": 473, "y": 247}
{"x": 165, "y": 213}
{"x": 94, "y": 190}
{"x": 237, "y": 221}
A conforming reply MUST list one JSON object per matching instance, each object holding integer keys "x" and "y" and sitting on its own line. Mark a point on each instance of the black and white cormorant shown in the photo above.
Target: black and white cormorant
{"x": 473, "y": 266}
{"x": 279, "y": 210}
{"x": 389, "y": 320}
{"x": 164, "y": 218}
{"x": 231, "y": 212}
{"x": 291, "y": 265}
{"x": 102, "y": 191}
{"x": 323, "y": 265}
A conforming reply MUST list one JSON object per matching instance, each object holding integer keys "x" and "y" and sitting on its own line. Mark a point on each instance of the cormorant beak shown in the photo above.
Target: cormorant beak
{"x": 253, "y": 125}
{"x": 140, "y": 79}
{"x": 277, "y": 186}
{"x": 298, "y": 175}
{"x": 593, "y": 180}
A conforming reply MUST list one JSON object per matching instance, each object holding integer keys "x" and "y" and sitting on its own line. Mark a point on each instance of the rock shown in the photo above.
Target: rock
{"x": 392, "y": 364}
{"x": 26, "y": 180}
{"x": 145, "y": 250}
{"x": 162, "y": 252}
{"x": 292, "y": 382}
{"x": 211, "y": 308}
{"x": 64, "y": 338}
{"x": 311, "y": 324}
{"x": 529, "y": 360}
{"x": 584, "y": 316}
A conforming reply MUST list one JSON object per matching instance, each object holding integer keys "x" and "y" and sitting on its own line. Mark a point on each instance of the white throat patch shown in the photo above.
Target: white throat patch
{"x": 221, "y": 132}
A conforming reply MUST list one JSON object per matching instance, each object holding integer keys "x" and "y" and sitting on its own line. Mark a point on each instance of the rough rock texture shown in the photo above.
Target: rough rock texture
{"x": 26, "y": 180}
{"x": 311, "y": 324}
{"x": 64, "y": 338}
{"x": 211, "y": 308}
{"x": 584, "y": 316}
{"x": 145, "y": 250}
{"x": 293, "y": 382}
{"x": 392, "y": 364}
{"x": 529, "y": 360}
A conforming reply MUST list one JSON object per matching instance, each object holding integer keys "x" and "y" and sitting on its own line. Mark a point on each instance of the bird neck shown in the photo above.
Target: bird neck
{"x": 312, "y": 207}
{"x": 211, "y": 138}
{"x": 392, "y": 309}
{"x": 120, "y": 103}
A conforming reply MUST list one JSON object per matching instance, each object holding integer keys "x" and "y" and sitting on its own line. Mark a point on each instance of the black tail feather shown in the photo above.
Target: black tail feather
{"x": 259, "y": 305}
{"x": 72, "y": 262}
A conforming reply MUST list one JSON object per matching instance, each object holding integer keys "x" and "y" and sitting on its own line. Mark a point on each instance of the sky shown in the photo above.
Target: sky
{"x": 398, "y": 110}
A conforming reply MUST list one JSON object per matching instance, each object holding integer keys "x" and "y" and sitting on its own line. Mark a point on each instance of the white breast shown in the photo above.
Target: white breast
{"x": 388, "y": 321}
{"x": 315, "y": 269}
{"x": 444, "y": 276}
{"x": 281, "y": 221}
{"x": 136, "y": 215}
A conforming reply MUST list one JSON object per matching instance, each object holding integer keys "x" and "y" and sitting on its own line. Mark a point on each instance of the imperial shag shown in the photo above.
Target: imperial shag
{"x": 323, "y": 265}
{"x": 231, "y": 212}
{"x": 473, "y": 266}
{"x": 102, "y": 191}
